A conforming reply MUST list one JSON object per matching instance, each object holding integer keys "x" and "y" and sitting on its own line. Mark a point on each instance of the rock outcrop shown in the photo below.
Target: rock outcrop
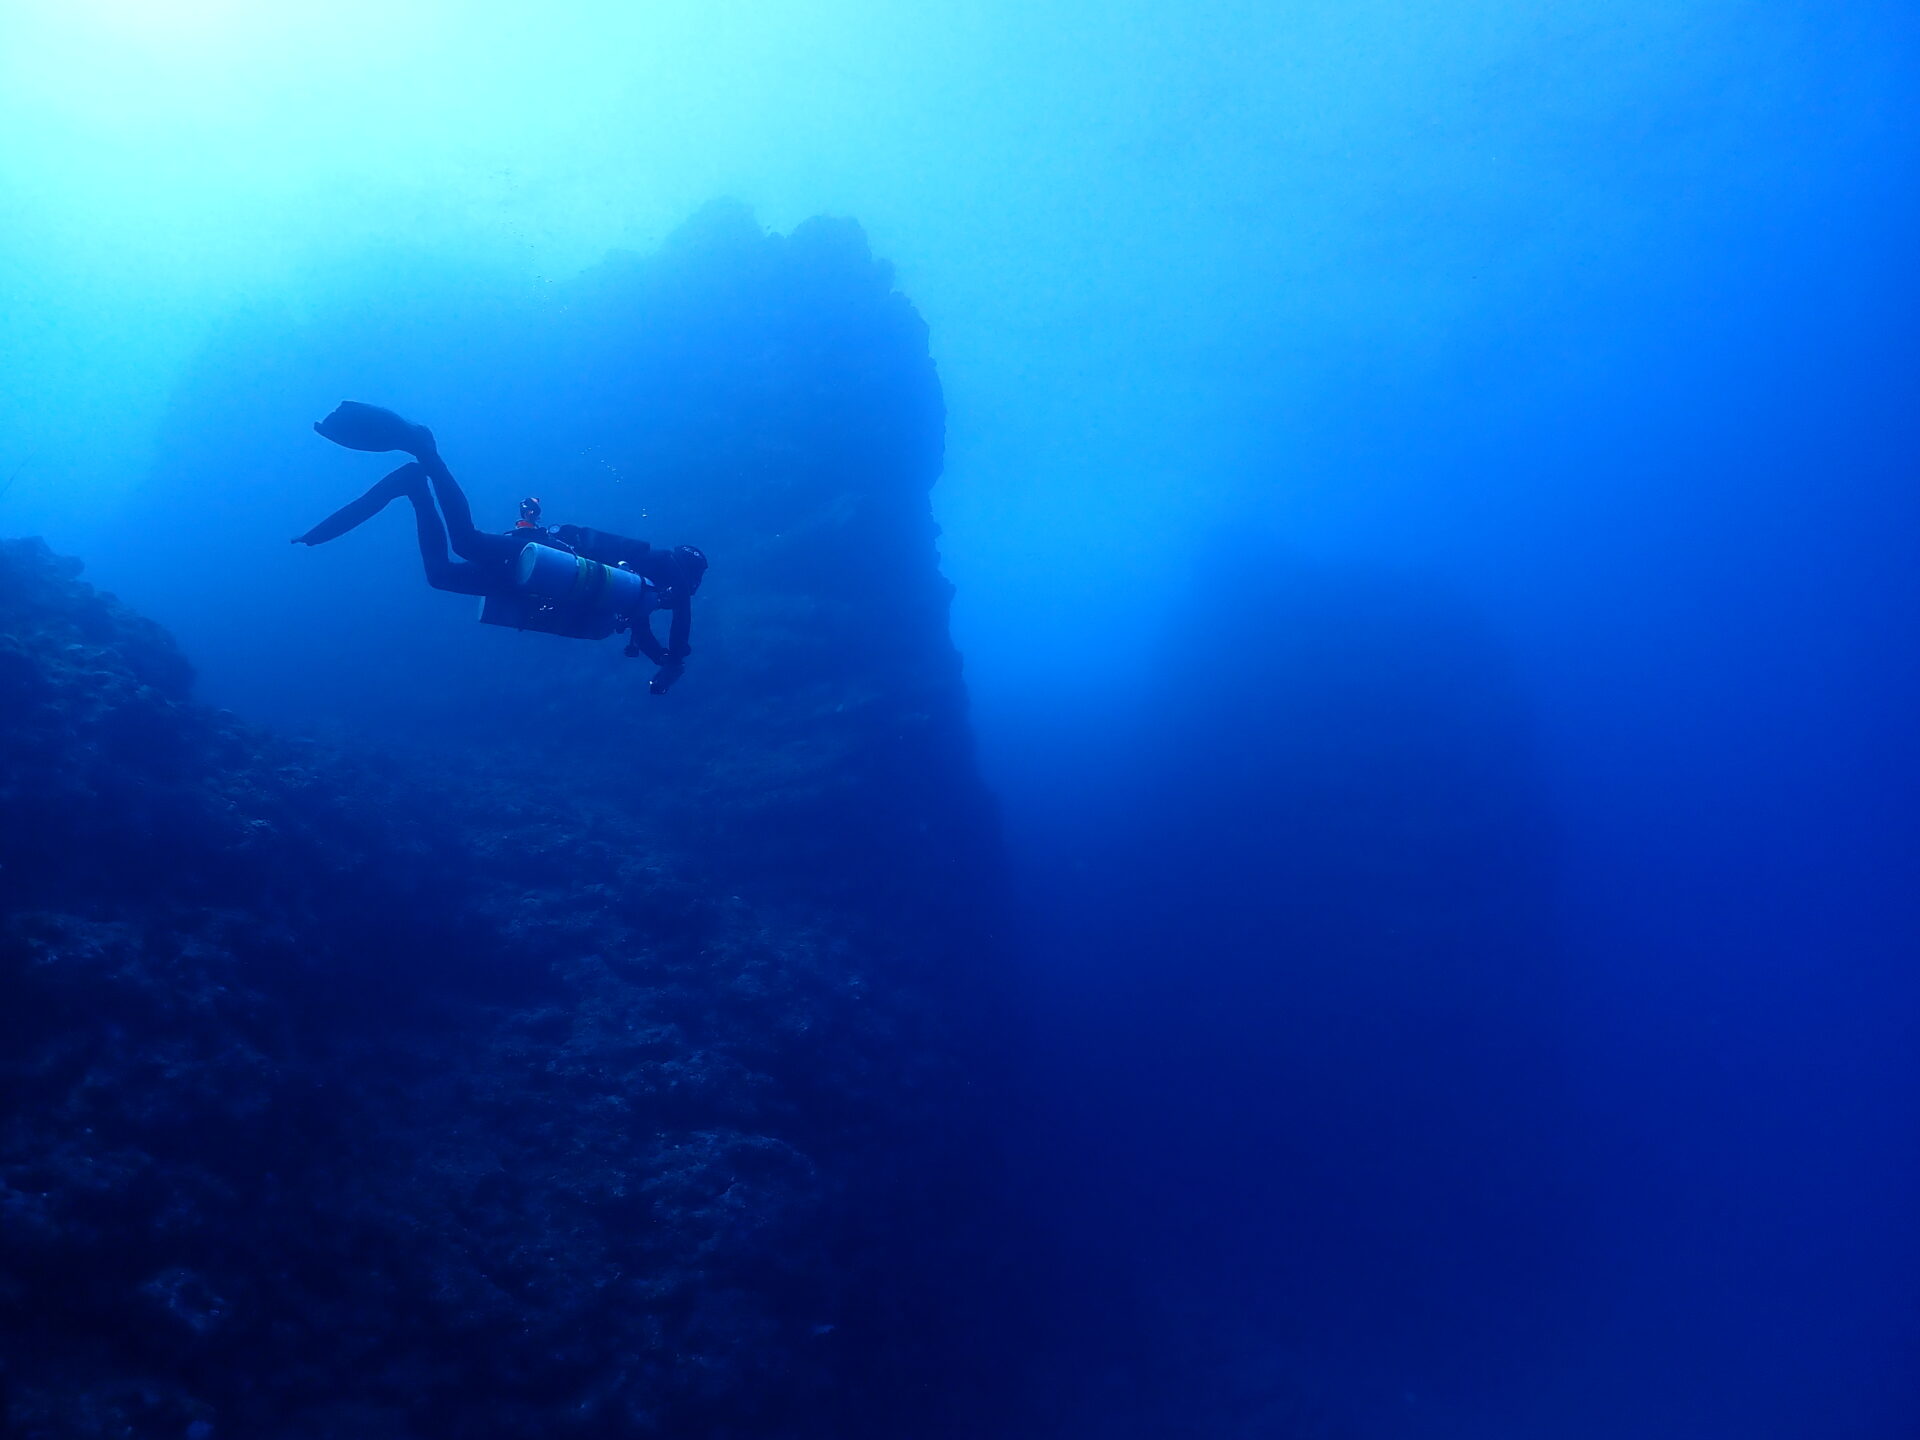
{"x": 413, "y": 1092}
{"x": 1327, "y": 1118}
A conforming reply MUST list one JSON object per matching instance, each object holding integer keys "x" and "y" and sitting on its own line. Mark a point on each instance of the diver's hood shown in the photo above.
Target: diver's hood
{"x": 367, "y": 427}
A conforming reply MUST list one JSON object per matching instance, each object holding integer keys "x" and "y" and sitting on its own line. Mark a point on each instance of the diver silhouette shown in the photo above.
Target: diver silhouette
{"x": 563, "y": 579}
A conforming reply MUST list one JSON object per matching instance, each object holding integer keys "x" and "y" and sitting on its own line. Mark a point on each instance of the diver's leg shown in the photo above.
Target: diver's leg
{"x": 443, "y": 572}
{"x": 358, "y": 512}
{"x": 469, "y": 542}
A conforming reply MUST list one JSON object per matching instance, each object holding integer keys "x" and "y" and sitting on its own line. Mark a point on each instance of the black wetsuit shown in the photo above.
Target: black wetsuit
{"x": 486, "y": 560}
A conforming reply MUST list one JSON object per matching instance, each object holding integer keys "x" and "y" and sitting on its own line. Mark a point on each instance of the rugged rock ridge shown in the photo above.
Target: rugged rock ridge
{"x": 770, "y": 398}
{"x": 346, "y": 1097}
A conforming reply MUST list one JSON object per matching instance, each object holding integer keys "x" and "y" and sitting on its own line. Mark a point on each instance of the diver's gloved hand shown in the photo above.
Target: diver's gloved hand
{"x": 369, "y": 427}
{"x": 664, "y": 677}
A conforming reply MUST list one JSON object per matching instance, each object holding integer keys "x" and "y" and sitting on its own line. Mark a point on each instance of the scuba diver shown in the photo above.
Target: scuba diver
{"x": 563, "y": 579}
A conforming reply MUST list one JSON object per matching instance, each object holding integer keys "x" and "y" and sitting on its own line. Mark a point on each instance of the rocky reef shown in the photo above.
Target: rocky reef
{"x": 1326, "y": 1116}
{"x": 380, "y": 1091}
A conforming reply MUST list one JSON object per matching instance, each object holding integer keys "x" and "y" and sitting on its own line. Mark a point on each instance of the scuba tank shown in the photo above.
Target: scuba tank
{"x": 565, "y": 594}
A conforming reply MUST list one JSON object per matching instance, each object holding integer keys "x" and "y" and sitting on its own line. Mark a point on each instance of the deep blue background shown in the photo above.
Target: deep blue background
{"x": 1432, "y": 495}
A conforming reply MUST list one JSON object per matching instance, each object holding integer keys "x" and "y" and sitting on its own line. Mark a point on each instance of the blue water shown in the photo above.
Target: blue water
{"x": 1430, "y": 491}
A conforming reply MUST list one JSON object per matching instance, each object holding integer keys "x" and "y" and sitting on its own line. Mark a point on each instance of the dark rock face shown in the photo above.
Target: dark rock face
{"x": 347, "y": 1096}
{"x": 1330, "y": 1125}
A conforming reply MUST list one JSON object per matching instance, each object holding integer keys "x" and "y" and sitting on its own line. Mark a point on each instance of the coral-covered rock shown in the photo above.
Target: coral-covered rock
{"x": 347, "y": 1096}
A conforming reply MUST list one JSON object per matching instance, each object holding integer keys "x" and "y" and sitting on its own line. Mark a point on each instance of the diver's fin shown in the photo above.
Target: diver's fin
{"x": 369, "y": 427}
{"x": 407, "y": 480}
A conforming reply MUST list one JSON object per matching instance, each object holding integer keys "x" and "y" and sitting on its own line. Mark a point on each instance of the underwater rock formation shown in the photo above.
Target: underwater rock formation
{"x": 1331, "y": 1126}
{"x": 770, "y": 398}
{"x": 403, "y": 1093}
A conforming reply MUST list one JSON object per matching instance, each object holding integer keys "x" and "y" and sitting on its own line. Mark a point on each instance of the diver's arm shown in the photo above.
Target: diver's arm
{"x": 670, "y": 669}
{"x": 641, "y": 641}
{"x": 677, "y": 647}
{"x": 673, "y": 660}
